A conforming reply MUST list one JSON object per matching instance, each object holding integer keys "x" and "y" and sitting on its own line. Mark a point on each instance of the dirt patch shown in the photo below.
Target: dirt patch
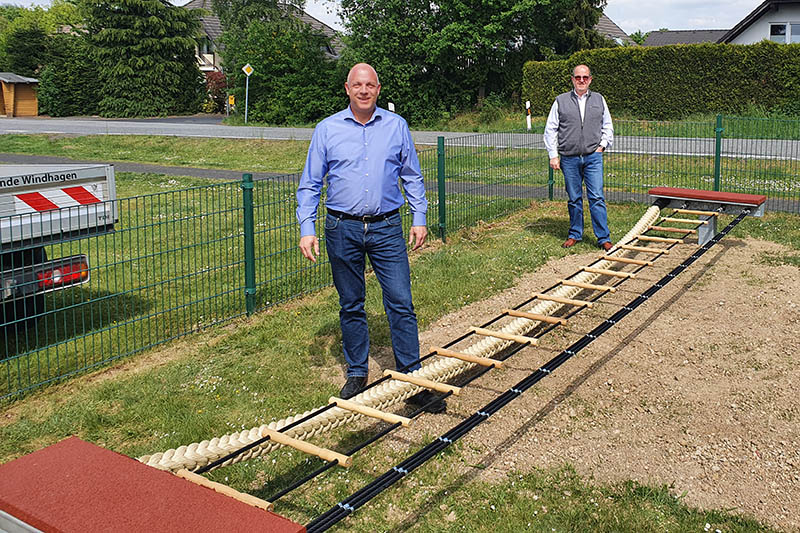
{"x": 694, "y": 389}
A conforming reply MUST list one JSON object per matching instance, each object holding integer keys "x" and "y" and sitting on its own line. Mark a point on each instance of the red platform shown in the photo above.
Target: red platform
{"x": 75, "y": 486}
{"x": 709, "y": 196}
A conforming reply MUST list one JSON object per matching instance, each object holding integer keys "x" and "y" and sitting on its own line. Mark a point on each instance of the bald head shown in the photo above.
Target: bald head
{"x": 367, "y": 68}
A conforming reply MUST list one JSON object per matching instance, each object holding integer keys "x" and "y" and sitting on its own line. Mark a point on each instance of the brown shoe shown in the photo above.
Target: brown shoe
{"x": 569, "y": 243}
{"x": 606, "y": 246}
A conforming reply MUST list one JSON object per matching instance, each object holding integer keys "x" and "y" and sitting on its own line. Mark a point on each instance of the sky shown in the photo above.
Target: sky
{"x": 630, "y": 15}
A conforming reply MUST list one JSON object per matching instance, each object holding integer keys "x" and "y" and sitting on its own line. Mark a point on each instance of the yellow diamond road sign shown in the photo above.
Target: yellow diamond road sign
{"x": 247, "y": 69}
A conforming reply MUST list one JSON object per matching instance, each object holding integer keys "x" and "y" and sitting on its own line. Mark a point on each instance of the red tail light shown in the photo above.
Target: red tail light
{"x": 64, "y": 274}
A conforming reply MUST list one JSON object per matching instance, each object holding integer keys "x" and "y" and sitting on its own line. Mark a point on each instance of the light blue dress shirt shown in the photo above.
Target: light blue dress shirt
{"x": 363, "y": 163}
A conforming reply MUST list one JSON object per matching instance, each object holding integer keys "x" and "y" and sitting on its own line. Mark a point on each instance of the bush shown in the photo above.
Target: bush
{"x": 675, "y": 81}
{"x": 292, "y": 81}
{"x": 217, "y": 88}
{"x": 68, "y": 85}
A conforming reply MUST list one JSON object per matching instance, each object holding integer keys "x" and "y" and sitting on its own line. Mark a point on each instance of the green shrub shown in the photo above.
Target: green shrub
{"x": 293, "y": 82}
{"x": 68, "y": 85}
{"x": 676, "y": 81}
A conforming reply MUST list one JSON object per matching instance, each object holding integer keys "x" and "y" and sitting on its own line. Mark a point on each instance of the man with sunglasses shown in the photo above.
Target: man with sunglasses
{"x": 578, "y": 131}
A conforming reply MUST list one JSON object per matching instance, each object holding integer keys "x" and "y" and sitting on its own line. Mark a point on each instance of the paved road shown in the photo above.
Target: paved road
{"x": 202, "y": 126}
{"x": 180, "y": 127}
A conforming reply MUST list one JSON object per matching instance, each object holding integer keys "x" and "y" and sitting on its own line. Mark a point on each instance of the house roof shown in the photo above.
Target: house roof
{"x": 664, "y": 37}
{"x": 752, "y": 17}
{"x": 210, "y": 22}
{"x": 10, "y": 77}
{"x": 213, "y": 28}
{"x": 607, "y": 28}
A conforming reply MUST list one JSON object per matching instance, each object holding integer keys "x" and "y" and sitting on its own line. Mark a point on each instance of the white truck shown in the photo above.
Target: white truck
{"x": 46, "y": 205}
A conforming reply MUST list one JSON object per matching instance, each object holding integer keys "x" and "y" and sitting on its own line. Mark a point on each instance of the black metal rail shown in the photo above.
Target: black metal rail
{"x": 345, "y": 507}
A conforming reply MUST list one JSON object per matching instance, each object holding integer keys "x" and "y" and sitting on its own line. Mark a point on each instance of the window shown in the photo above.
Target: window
{"x": 795, "y": 37}
{"x": 777, "y": 33}
{"x": 785, "y": 33}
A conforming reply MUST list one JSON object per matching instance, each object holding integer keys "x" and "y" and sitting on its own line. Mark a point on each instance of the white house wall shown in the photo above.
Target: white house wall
{"x": 759, "y": 30}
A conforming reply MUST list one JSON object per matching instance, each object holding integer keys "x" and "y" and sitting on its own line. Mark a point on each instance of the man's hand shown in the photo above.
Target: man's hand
{"x": 600, "y": 149}
{"x": 555, "y": 163}
{"x": 309, "y": 245}
{"x": 417, "y": 236}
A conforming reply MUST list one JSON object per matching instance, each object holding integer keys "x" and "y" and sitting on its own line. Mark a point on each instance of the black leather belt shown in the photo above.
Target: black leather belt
{"x": 364, "y": 218}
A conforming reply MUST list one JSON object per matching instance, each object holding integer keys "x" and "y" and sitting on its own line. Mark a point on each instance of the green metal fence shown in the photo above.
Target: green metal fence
{"x": 184, "y": 260}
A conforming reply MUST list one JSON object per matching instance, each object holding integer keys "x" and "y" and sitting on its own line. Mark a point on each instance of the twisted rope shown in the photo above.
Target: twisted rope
{"x": 380, "y": 397}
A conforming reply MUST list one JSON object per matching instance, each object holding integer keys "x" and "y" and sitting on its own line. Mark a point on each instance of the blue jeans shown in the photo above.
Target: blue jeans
{"x": 588, "y": 169}
{"x": 347, "y": 243}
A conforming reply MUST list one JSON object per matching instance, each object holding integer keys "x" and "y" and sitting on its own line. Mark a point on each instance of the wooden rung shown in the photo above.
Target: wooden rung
{"x": 559, "y": 299}
{"x": 626, "y": 260}
{"x": 684, "y": 220}
{"x": 422, "y": 382}
{"x": 605, "y": 272}
{"x": 224, "y": 489}
{"x": 483, "y": 361}
{"x": 369, "y": 411}
{"x": 672, "y": 230}
{"x": 507, "y": 336}
{"x": 650, "y": 238}
{"x": 644, "y": 249}
{"x": 307, "y": 447}
{"x": 535, "y": 316}
{"x": 589, "y": 286}
{"x": 699, "y": 213}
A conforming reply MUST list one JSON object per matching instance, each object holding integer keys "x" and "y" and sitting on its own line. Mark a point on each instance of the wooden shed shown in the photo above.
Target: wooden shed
{"x": 18, "y": 97}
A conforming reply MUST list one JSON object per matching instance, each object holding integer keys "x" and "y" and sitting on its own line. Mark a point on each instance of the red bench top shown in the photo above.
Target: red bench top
{"x": 709, "y": 196}
{"x": 76, "y": 486}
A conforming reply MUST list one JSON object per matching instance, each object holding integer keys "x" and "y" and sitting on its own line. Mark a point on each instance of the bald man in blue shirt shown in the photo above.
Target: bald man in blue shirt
{"x": 367, "y": 154}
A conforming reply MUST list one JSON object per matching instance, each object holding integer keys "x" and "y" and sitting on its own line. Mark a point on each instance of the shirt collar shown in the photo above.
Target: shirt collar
{"x": 378, "y": 113}
{"x": 585, "y": 95}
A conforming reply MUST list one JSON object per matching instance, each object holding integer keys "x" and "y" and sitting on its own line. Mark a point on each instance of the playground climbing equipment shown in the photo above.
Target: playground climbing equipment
{"x": 689, "y": 214}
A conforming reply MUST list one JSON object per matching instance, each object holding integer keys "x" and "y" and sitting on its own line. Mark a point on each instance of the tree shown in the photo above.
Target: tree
{"x": 24, "y": 40}
{"x": 24, "y": 47}
{"x": 638, "y": 37}
{"x": 580, "y": 21}
{"x": 433, "y": 58}
{"x": 144, "y": 52}
{"x": 68, "y": 85}
{"x": 238, "y": 14}
{"x": 293, "y": 82}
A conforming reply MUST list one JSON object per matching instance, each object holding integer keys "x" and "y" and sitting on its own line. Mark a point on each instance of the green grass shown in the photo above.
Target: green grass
{"x": 233, "y": 154}
{"x": 286, "y": 361}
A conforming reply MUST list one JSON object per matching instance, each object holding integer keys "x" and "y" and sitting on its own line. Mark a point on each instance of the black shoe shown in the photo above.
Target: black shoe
{"x": 428, "y": 401}
{"x": 352, "y": 386}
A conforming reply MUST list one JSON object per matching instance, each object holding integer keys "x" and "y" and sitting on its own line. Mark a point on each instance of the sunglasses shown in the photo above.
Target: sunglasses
{"x": 581, "y": 78}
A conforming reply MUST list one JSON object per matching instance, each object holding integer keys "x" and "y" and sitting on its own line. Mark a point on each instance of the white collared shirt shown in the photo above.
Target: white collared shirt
{"x": 551, "y": 127}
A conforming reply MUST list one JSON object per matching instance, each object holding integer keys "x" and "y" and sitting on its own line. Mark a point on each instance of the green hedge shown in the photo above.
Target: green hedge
{"x": 675, "y": 81}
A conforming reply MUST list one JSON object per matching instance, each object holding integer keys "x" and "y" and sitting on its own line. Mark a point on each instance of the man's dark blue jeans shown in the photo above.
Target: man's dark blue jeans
{"x": 348, "y": 242}
{"x": 586, "y": 169}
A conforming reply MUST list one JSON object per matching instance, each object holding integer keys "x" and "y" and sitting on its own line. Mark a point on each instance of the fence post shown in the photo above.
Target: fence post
{"x": 550, "y": 182}
{"x": 249, "y": 245}
{"x": 717, "y": 152}
{"x": 442, "y": 193}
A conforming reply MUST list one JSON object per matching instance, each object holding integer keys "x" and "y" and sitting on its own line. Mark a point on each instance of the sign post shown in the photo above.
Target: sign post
{"x": 247, "y": 69}
{"x": 528, "y": 117}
